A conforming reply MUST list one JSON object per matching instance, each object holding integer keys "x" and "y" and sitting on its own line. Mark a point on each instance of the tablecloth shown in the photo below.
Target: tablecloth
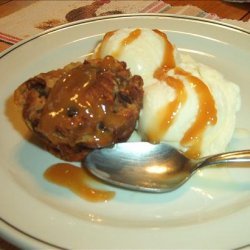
{"x": 42, "y": 15}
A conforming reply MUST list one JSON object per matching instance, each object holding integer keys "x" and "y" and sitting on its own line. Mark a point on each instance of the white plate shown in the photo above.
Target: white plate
{"x": 212, "y": 210}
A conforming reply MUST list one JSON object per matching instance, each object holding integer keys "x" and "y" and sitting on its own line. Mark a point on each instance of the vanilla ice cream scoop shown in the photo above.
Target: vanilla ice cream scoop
{"x": 198, "y": 116}
{"x": 186, "y": 104}
{"x": 144, "y": 50}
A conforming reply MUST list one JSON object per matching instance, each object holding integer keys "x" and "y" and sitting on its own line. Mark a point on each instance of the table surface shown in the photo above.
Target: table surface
{"x": 224, "y": 9}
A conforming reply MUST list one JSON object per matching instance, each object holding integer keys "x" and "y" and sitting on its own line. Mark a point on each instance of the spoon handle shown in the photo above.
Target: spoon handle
{"x": 242, "y": 156}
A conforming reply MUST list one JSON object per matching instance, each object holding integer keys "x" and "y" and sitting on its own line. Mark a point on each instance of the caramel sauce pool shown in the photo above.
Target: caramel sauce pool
{"x": 76, "y": 180}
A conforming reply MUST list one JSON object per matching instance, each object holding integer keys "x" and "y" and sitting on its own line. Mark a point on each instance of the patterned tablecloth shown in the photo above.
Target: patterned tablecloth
{"x": 42, "y": 15}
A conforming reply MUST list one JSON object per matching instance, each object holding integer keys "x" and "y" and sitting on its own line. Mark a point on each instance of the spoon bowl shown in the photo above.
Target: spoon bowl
{"x": 146, "y": 167}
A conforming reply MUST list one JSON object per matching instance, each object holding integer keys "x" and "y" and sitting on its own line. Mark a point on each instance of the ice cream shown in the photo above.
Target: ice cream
{"x": 203, "y": 120}
{"x": 144, "y": 50}
{"x": 186, "y": 104}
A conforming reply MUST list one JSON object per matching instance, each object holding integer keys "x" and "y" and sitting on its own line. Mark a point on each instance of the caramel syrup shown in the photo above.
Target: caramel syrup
{"x": 103, "y": 43}
{"x": 168, "y": 56}
{"x": 207, "y": 115}
{"x": 167, "y": 114}
{"x": 73, "y": 101}
{"x": 126, "y": 41}
{"x": 76, "y": 180}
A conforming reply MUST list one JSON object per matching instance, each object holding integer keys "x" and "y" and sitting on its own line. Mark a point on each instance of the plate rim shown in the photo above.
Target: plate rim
{"x": 118, "y": 16}
{"x": 20, "y": 238}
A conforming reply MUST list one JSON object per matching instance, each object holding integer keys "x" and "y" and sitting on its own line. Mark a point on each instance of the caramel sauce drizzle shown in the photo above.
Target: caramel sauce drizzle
{"x": 76, "y": 180}
{"x": 103, "y": 43}
{"x": 133, "y": 35}
{"x": 166, "y": 115}
{"x": 76, "y": 91}
{"x": 67, "y": 92}
{"x": 168, "y": 56}
{"x": 207, "y": 115}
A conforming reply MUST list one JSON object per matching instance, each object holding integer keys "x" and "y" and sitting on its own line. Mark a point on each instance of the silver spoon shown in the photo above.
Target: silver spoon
{"x": 146, "y": 167}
